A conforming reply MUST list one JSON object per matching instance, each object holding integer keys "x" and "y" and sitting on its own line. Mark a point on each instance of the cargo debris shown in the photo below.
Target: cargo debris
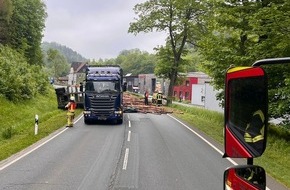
{"x": 134, "y": 103}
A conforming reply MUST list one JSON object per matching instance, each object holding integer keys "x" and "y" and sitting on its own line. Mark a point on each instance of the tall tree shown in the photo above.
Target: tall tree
{"x": 5, "y": 17}
{"x": 241, "y": 32}
{"x": 136, "y": 62}
{"x": 227, "y": 39}
{"x": 70, "y": 55}
{"x": 18, "y": 79}
{"x": 57, "y": 63}
{"x": 26, "y": 27}
{"x": 176, "y": 17}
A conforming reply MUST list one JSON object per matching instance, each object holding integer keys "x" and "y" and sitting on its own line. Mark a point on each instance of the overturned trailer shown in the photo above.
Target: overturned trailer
{"x": 64, "y": 93}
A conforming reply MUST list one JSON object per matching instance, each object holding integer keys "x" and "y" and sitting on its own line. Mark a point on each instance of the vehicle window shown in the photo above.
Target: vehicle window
{"x": 102, "y": 86}
{"x": 247, "y": 97}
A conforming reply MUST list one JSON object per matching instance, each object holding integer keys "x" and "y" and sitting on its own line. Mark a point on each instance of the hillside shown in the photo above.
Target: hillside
{"x": 70, "y": 55}
{"x": 17, "y": 130}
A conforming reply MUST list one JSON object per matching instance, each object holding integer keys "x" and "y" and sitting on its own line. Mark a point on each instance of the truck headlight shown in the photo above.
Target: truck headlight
{"x": 87, "y": 112}
{"x": 119, "y": 112}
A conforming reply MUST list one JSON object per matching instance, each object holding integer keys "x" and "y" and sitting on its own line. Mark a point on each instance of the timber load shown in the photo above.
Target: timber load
{"x": 135, "y": 103}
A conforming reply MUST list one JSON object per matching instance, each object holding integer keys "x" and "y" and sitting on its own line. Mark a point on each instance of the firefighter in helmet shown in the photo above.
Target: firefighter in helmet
{"x": 71, "y": 106}
{"x": 159, "y": 99}
{"x": 254, "y": 133}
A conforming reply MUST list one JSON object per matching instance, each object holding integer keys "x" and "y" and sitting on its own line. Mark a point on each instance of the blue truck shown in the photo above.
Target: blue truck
{"x": 103, "y": 94}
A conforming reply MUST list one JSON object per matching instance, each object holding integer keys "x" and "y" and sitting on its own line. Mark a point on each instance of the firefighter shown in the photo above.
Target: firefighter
{"x": 159, "y": 99}
{"x": 71, "y": 106}
{"x": 146, "y": 96}
{"x": 254, "y": 133}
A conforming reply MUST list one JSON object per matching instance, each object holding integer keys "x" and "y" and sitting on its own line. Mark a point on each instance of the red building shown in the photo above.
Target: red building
{"x": 184, "y": 91}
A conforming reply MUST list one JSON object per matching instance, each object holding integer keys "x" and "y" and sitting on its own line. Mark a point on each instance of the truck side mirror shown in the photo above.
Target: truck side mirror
{"x": 245, "y": 177}
{"x": 246, "y": 112}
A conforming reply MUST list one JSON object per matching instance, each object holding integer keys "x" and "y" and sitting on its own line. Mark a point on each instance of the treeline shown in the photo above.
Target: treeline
{"x": 58, "y": 59}
{"x": 68, "y": 53}
{"x": 21, "y": 60}
{"x": 132, "y": 61}
{"x": 136, "y": 62}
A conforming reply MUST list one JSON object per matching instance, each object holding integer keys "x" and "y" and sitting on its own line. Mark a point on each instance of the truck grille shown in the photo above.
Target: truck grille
{"x": 102, "y": 105}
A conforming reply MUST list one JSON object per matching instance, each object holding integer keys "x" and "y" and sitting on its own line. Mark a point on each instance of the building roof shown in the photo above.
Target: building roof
{"x": 79, "y": 67}
{"x": 197, "y": 74}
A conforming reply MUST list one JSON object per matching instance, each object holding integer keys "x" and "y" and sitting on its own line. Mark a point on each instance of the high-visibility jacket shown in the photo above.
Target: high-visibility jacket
{"x": 159, "y": 96}
{"x": 255, "y": 129}
{"x": 159, "y": 99}
{"x": 71, "y": 106}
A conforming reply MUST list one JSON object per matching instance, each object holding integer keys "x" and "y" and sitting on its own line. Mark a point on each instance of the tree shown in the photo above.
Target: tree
{"x": 18, "y": 79}
{"x": 26, "y": 27}
{"x": 176, "y": 17}
{"x": 57, "y": 63}
{"x": 132, "y": 61}
{"x": 227, "y": 39}
{"x": 5, "y": 17}
{"x": 136, "y": 62}
{"x": 241, "y": 32}
{"x": 279, "y": 91}
{"x": 68, "y": 53}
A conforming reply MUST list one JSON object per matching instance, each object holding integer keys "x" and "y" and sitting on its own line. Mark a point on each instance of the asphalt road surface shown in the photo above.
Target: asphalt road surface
{"x": 147, "y": 151}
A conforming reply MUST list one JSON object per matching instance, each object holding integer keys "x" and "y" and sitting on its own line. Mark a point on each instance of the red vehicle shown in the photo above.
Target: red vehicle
{"x": 246, "y": 123}
{"x": 245, "y": 177}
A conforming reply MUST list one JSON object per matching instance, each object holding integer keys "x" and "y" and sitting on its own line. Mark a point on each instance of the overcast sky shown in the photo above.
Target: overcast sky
{"x": 96, "y": 28}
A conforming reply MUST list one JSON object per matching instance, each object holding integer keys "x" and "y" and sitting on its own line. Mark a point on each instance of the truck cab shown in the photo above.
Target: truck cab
{"x": 103, "y": 94}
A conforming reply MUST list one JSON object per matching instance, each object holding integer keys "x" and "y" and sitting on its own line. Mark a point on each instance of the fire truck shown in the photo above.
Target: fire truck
{"x": 246, "y": 123}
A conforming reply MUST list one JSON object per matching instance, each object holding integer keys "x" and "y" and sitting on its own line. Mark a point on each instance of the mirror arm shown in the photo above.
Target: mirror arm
{"x": 250, "y": 161}
{"x": 271, "y": 61}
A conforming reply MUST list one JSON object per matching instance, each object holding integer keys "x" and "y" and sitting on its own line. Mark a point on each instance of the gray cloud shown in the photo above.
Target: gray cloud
{"x": 96, "y": 29}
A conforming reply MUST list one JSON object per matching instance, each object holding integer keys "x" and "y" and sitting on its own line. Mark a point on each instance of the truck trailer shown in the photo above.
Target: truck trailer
{"x": 103, "y": 94}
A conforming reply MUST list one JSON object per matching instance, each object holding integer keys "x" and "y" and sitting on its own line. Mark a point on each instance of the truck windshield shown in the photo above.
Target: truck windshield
{"x": 102, "y": 86}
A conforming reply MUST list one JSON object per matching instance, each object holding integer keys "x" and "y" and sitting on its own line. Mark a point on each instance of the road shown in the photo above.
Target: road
{"x": 147, "y": 151}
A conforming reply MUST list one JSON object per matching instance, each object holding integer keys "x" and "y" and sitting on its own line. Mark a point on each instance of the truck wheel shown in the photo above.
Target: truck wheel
{"x": 119, "y": 121}
{"x": 86, "y": 121}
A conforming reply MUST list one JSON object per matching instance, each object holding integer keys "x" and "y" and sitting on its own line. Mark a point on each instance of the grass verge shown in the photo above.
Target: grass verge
{"x": 18, "y": 119}
{"x": 275, "y": 159}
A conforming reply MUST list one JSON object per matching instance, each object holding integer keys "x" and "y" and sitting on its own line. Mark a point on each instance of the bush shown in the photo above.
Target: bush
{"x": 18, "y": 79}
{"x": 7, "y": 132}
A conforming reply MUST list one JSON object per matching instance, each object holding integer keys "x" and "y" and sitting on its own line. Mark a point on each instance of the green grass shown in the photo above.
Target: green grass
{"x": 209, "y": 122}
{"x": 18, "y": 119}
{"x": 276, "y": 158}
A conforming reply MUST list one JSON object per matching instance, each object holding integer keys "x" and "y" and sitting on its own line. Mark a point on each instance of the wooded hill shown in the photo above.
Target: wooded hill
{"x": 68, "y": 53}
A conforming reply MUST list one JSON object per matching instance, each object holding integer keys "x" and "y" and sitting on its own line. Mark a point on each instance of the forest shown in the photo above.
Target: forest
{"x": 203, "y": 35}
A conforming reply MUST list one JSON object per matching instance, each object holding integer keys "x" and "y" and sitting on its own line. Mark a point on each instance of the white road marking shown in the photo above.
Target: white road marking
{"x": 129, "y": 136}
{"x": 218, "y": 150}
{"x": 126, "y": 159}
{"x": 23, "y": 155}
{"x": 35, "y": 148}
{"x": 129, "y": 124}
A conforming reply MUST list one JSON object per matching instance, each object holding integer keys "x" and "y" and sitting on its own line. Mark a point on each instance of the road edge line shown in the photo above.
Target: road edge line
{"x": 29, "y": 149}
{"x": 202, "y": 138}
